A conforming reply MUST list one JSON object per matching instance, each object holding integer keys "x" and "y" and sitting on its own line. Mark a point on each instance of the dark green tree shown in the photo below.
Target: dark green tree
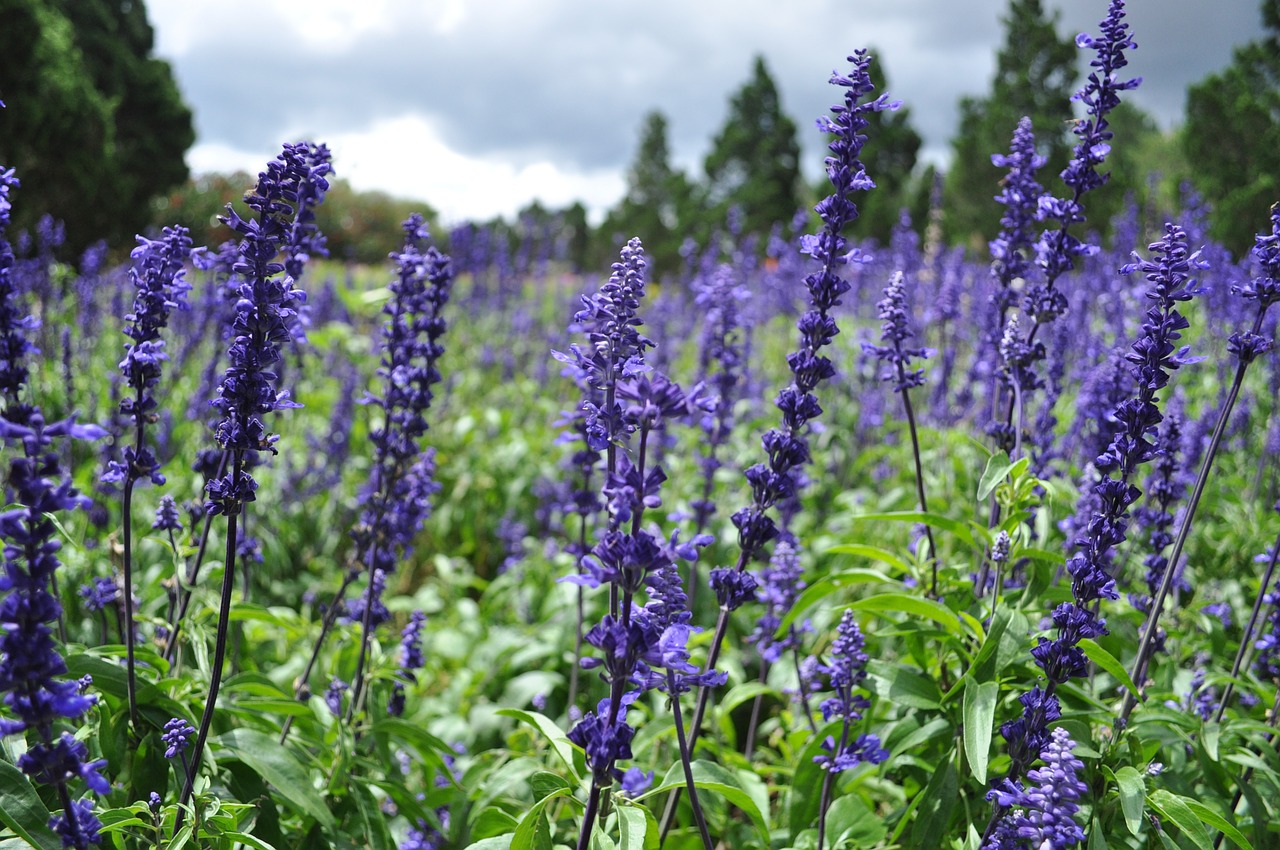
{"x": 1232, "y": 136}
{"x": 754, "y": 162}
{"x": 656, "y": 200}
{"x": 96, "y": 127}
{"x": 1035, "y": 76}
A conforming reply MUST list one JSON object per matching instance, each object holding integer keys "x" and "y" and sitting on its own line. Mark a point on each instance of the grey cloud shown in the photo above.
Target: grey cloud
{"x": 572, "y": 83}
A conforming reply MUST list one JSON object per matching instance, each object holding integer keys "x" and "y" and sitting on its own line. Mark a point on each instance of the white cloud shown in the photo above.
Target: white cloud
{"x": 406, "y": 158}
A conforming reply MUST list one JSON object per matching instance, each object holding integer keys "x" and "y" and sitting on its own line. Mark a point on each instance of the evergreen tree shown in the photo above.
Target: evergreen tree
{"x": 656, "y": 200}
{"x": 754, "y": 162}
{"x": 1232, "y": 135}
{"x": 96, "y": 127}
{"x": 1035, "y": 76}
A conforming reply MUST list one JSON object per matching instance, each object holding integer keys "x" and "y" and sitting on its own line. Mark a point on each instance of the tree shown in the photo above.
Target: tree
{"x": 754, "y": 162}
{"x": 96, "y": 126}
{"x": 1035, "y": 77}
{"x": 1232, "y": 135}
{"x": 656, "y": 200}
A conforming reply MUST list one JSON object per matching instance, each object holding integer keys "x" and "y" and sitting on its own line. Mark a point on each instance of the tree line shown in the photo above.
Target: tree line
{"x": 97, "y": 129}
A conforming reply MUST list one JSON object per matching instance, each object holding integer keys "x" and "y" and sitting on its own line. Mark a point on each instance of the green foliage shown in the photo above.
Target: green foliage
{"x": 1232, "y": 135}
{"x": 95, "y": 124}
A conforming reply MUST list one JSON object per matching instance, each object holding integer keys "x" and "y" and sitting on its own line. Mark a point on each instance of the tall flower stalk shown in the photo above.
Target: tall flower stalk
{"x": 1154, "y": 356}
{"x": 31, "y": 667}
{"x": 897, "y": 357}
{"x": 1246, "y": 346}
{"x": 265, "y": 312}
{"x": 787, "y": 447}
{"x": 157, "y": 273}
{"x": 397, "y": 499}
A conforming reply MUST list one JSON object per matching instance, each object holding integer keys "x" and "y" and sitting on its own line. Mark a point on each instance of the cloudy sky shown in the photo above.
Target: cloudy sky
{"x": 479, "y": 106}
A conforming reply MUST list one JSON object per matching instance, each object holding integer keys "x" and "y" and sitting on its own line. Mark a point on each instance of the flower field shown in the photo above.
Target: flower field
{"x": 817, "y": 543}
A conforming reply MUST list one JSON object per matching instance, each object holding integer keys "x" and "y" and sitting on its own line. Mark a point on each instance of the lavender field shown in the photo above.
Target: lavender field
{"x": 817, "y": 541}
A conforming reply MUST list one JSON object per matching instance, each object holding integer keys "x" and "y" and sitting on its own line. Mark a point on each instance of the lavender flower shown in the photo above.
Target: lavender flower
{"x": 167, "y": 517}
{"x": 99, "y": 595}
{"x": 411, "y": 659}
{"x": 265, "y": 311}
{"x": 845, "y": 671}
{"x": 177, "y": 737}
{"x": 333, "y": 696}
{"x": 1154, "y": 356}
{"x": 894, "y": 332}
{"x": 1019, "y": 194}
{"x": 157, "y": 274}
{"x": 1044, "y": 813}
{"x": 30, "y": 664}
{"x": 1267, "y": 661}
{"x": 396, "y": 501}
{"x": 780, "y": 586}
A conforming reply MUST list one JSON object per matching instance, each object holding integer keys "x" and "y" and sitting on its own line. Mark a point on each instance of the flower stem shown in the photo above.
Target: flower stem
{"x": 1246, "y": 639}
{"x": 219, "y": 654}
{"x": 686, "y": 761}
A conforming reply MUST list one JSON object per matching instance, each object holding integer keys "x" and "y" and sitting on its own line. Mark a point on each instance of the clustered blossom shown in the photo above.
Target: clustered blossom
{"x": 845, "y": 671}
{"x": 38, "y": 490}
{"x": 1164, "y": 490}
{"x": 894, "y": 332}
{"x": 788, "y": 447}
{"x": 1263, "y": 289}
{"x": 1020, "y": 195}
{"x": 631, "y": 399}
{"x": 158, "y": 274}
{"x": 176, "y": 737}
{"x": 1057, "y": 249}
{"x": 397, "y": 499}
{"x": 1042, "y": 815}
{"x": 411, "y": 659}
{"x": 99, "y": 595}
{"x": 722, "y": 361}
{"x": 1154, "y": 356}
{"x": 265, "y": 310}
{"x": 780, "y": 586}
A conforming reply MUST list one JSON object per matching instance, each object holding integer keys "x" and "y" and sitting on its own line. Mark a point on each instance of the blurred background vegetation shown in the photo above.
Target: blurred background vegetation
{"x": 101, "y": 145}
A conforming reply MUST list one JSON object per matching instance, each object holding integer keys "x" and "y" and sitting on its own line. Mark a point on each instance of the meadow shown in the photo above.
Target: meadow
{"x": 816, "y": 543}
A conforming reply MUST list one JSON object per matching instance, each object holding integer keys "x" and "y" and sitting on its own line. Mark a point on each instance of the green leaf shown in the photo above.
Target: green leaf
{"x": 278, "y": 766}
{"x": 850, "y": 819}
{"x": 979, "y": 717}
{"x": 914, "y": 606}
{"x": 22, "y": 811}
{"x": 822, "y": 588}
{"x": 1110, "y": 663}
{"x": 936, "y": 806}
{"x": 998, "y": 466}
{"x": 1133, "y": 796}
{"x": 533, "y": 833}
{"x": 938, "y": 521}
{"x": 874, "y": 553}
{"x": 633, "y": 825}
{"x": 708, "y": 776}
{"x": 498, "y": 842}
{"x": 1218, "y": 822}
{"x": 1173, "y": 808}
{"x": 554, "y": 734}
{"x": 248, "y": 840}
{"x": 545, "y": 783}
{"x": 902, "y": 685}
{"x": 492, "y": 821}
{"x": 378, "y": 833}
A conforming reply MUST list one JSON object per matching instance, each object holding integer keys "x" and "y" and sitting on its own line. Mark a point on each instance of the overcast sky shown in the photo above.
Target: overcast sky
{"x": 479, "y": 106}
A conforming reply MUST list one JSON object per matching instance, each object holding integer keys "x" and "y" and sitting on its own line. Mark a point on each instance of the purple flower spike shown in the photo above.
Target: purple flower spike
{"x": 177, "y": 737}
